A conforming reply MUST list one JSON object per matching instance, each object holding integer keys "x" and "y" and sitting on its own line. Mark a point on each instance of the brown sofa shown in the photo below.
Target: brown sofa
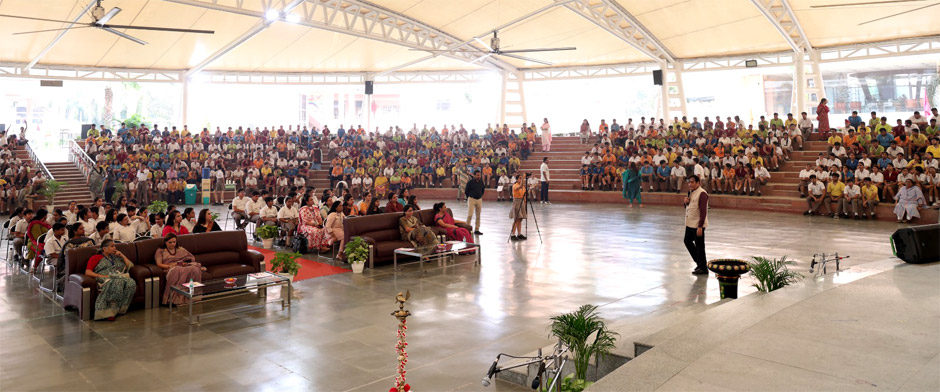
{"x": 223, "y": 253}
{"x": 382, "y": 234}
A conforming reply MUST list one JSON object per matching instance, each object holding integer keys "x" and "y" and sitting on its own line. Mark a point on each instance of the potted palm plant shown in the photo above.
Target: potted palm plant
{"x": 267, "y": 233}
{"x": 50, "y": 189}
{"x": 285, "y": 264}
{"x": 357, "y": 251}
{"x": 773, "y": 274}
{"x": 578, "y": 330}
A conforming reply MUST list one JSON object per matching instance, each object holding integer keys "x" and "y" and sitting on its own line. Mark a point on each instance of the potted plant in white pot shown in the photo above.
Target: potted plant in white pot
{"x": 49, "y": 190}
{"x": 285, "y": 264}
{"x": 357, "y": 251}
{"x": 267, "y": 233}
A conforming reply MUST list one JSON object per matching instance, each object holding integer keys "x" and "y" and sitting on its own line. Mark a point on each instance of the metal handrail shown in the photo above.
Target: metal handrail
{"x": 42, "y": 166}
{"x": 86, "y": 165}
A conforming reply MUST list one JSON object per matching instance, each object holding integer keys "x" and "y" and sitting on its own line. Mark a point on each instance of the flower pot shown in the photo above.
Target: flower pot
{"x": 358, "y": 267}
{"x": 267, "y": 243}
{"x": 289, "y": 276}
{"x": 728, "y": 272}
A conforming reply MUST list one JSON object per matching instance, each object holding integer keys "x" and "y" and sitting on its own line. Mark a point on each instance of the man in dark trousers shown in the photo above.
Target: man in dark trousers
{"x": 696, "y": 220}
{"x": 474, "y": 192}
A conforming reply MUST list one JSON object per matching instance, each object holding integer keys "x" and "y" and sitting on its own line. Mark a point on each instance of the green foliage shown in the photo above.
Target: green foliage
{"x": 51, "y": 188}
{"x": 576, "y": 329}
{"x": 118, "y": 192}
{"x": 134, "y": 120}
{"x": 772, "y": 274}
{"x": 285, "y": 263}
{"x": 157, "y": 206}
{"x": 266, "y": 231}
{"x": 357, "y": 250}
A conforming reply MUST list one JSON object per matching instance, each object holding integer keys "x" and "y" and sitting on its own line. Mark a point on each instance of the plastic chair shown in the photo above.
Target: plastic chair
{"x": 228, "y": 215}
{"x": 37, "y": 275}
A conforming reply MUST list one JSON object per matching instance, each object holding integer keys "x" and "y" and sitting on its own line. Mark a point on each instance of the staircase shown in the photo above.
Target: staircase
{"x": 564, "y": 160}
{"x": 76, "y": 188}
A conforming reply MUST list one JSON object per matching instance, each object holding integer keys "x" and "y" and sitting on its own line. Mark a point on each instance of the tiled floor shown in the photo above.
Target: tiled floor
{"x": 340, "y": 335}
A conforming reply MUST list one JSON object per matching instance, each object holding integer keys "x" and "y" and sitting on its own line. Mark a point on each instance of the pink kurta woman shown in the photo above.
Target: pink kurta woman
{"x": 444, "y": 220}
{"x": 822, "y": 115}
{"x": 546, "y": 136}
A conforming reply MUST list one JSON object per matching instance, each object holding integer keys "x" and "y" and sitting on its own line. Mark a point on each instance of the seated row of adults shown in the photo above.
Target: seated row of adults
{"x": 104, "y": 280}
{"x": 410, "y": 228}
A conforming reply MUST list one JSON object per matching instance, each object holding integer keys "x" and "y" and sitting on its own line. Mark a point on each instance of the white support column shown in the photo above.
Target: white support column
{"x": 185, "y": 101}
{"x": 799, "y": 86}
{"x": 808, "y": 86}
{"x": 672, "y": 91}
{"x": 502, "y": 97}
{"x": 512, "y": 100}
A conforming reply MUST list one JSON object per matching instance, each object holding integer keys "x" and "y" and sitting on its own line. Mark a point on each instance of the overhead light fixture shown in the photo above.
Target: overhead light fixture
{"x": 272, "y": 15}
{"x": 293, "y": 18}
{"x": 750, "y": 63}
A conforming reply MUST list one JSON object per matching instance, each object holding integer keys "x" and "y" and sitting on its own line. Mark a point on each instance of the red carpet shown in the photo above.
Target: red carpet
{"x": 309, "y": 269}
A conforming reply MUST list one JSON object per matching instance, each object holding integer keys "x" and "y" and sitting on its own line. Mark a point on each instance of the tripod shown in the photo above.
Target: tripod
{"x": 535, "y": 218}
{"x": 525, "y": 199}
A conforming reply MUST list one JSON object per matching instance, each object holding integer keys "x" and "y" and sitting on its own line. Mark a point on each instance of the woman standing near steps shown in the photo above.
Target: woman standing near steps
{"x": 631, "y": 185}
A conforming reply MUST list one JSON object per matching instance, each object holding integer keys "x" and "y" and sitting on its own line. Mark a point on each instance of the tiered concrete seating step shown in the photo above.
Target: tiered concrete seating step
{"x": 761, "y": 340}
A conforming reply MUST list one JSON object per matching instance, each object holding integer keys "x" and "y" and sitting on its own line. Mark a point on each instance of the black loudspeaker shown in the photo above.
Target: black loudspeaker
{"x": 85, "y": 128}
{"x": 658, "y": 77}
{"x": 917, "y": 244}
{"x": 3, "y": 127}
{"x": 368, "y": 87}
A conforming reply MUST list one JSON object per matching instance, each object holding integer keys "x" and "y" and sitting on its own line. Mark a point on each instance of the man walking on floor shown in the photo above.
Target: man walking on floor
{"x": 696, "y": 220}
{"x": 545, "y": 178}
{"x": 474, "y": 193}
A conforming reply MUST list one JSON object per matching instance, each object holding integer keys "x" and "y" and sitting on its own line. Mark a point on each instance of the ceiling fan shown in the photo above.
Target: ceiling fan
{"x": 886, "y": 2}
{"x": 494, "y": 50}
{"x": 100, "y": 21}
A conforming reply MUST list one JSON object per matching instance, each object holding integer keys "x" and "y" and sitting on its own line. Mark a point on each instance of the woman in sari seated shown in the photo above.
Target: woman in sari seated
{"x": 311, "y": 225}
{"x": 180, "y": 267}
{"x": 115, "y": 288}
{"x": 909, "y": 199}
{"x": 413, "y": 231}
{"x": 444, "y": 220}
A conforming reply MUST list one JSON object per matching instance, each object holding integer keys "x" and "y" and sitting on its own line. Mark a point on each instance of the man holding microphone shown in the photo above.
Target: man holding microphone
{"x": 474, "y": 192}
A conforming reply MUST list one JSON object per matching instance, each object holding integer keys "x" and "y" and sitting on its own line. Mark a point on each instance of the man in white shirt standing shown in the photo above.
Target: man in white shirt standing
{"x": 239, "y": 206}
{"x": 287, "y": 217}
{"x": 545, "y": 179}
{"x": 143, "y": 186}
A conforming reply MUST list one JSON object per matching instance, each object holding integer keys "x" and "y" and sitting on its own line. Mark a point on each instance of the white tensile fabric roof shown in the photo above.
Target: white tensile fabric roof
{"x": 687, "y": 28}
